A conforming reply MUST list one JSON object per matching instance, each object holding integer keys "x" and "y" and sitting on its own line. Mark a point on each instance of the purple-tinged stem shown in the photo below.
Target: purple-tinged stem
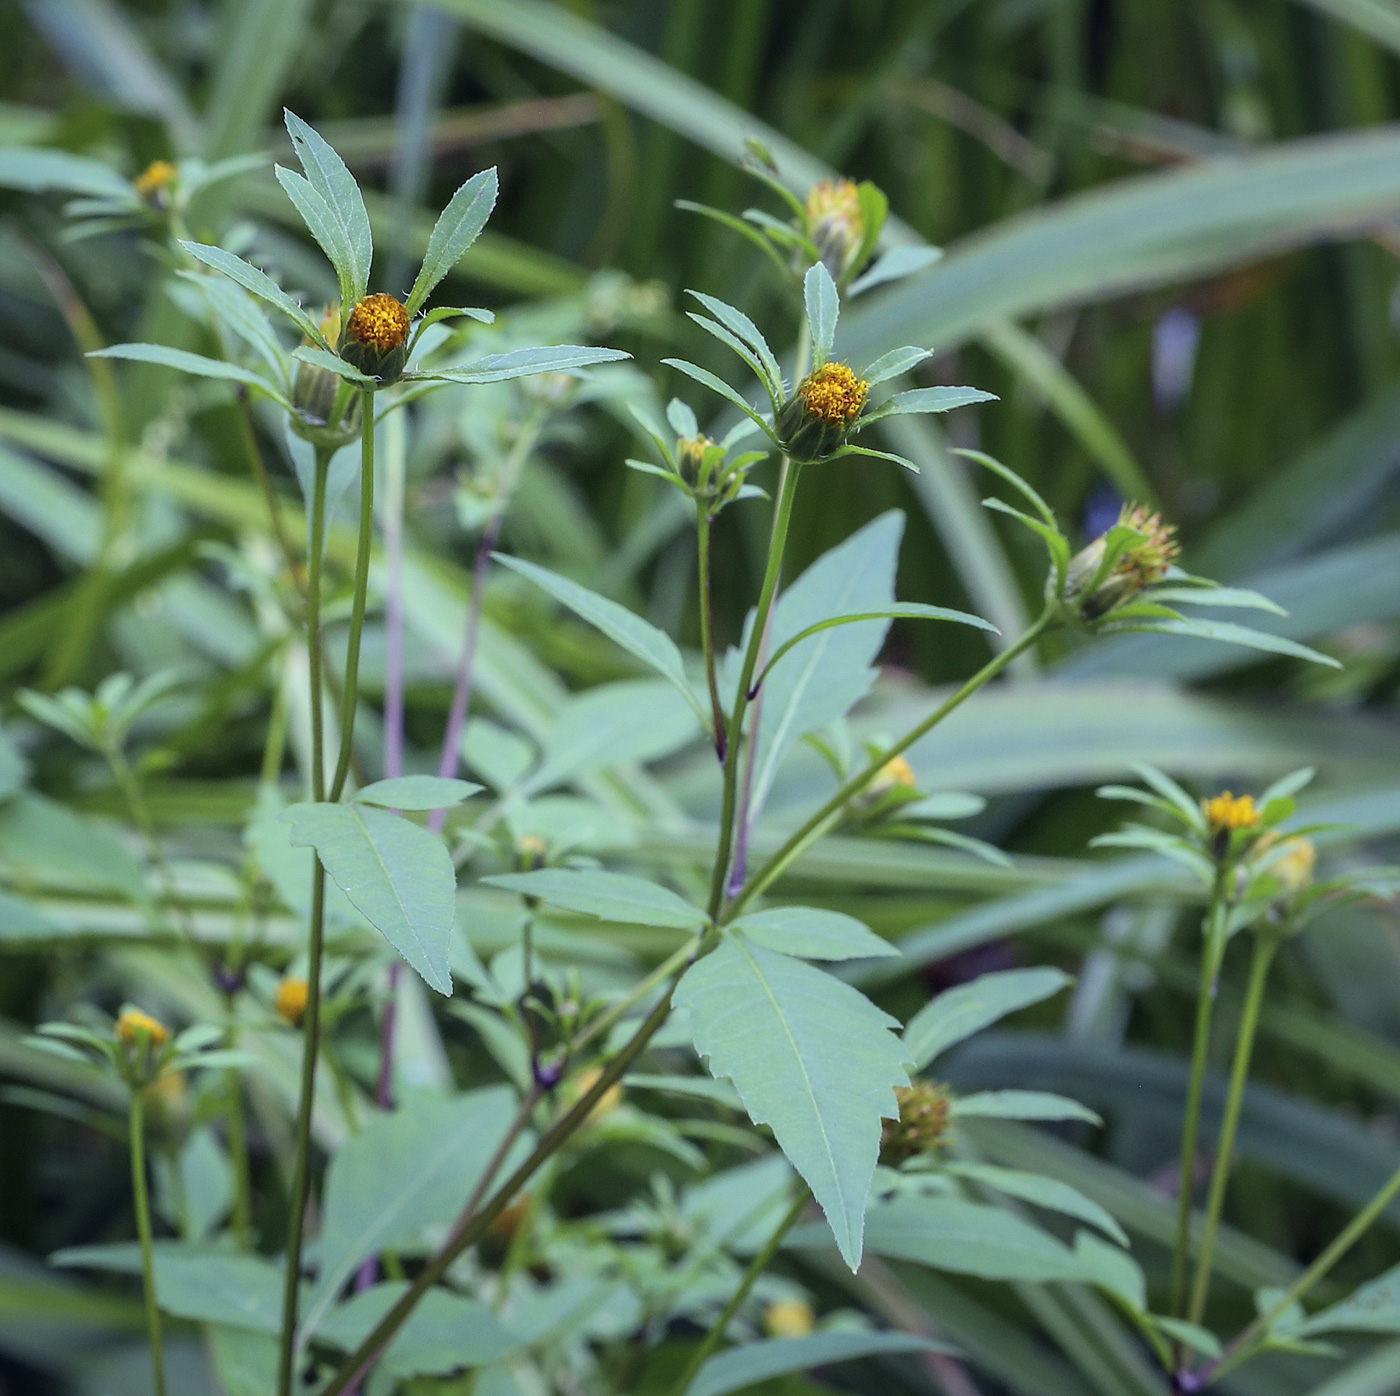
{"x": 466, "y": 665}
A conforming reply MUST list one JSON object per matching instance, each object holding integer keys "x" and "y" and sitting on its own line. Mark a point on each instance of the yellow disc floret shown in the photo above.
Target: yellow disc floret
{"x": 1149, "y": 561}
{"x": 1226, "y": 813}
{"x": 293, "y": 995}
{"x": 789, "y": 1318}
{"x": 922, "y": 1126}
{"x": 834, "y": 394}
{"x": 380, "y": 322}
{"x": 895, "y": 771}
{"x": 154, "y": 180}
{"x": 835, "y": 224}
{"x": 135, "y": 1028}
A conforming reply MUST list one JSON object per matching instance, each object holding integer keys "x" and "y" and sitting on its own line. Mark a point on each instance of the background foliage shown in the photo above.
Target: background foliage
{"x": 1170, "y": 250}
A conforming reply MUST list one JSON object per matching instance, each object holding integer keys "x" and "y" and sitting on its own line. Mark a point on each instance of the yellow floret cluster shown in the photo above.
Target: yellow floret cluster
{"x": 379, "y": 321}
{"x": 834, "y": 394}
{"x": 1227, "y": 812}
{"x": 135, "y": 1027}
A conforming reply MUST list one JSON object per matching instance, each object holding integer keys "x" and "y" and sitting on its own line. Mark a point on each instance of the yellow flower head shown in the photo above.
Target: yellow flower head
{"x": 895, "y": 771}
{"x": 1293, "y": 865}
{"x": 291, "y": 1000}
{"x": 1149, "y": 561}
{"x": 835, "y": 224}
{"x": 330, "y": 323}
{"x": 607, "y": 1102}
{"x": 690, "y": 456}
{"x": 135, "y": 1029}
{"x": 151, "y": 184}
{"x": 788, "y": 1318}
{"x": 1226, "y": 813}
{"x": 922, "y": 1126}
{"x": 532, "y": 850}
{"x": 833, "y": 394}
{"x": 380, "y": 322}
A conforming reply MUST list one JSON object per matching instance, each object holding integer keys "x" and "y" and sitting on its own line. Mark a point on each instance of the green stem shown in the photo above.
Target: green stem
{"x": 817, "y": 825}
{"x": 707, "y": 641}
{"x": 757, "y": 1266}
{"x": 311, "y": 1021}
{"x": 1264, "y": 948}
{"x": 673, "y": 962}
{"x": 137, "y": 1125}
{"x": 1212, "y": 952}
{"x": 1241, "y": 1349}
{"x": 782, "y": 517}
{"x": 471, "y": 1228}
{"x": 350, "y": 695}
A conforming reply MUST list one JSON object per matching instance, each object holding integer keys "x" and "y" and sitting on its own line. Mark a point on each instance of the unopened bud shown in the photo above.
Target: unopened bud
{"x": 817, "y": 418}
{"x": 922, "y": 1126}
{"x": 1139, "y": 565}
{"x": 835, "y": 224}
{"x": 293, "y": 994}
{"x": 788, "y": 1318}
{"x": 152, "y": 185}
{"x": 375, "y": 338}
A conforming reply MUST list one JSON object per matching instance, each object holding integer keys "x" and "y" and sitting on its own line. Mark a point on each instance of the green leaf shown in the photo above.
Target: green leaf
{"x": 1373, "y": 1308}
{"x": 457, "y": 227}
{"x": 190, "y": 363}
{"x": 43, "y": 171}
{"x": 751, "y": 1363}
{"x": 895, "y": 265}
{"x": 740, "y": 324}
{"x": 1230, "y": 634}
{"x": 812, "y": 933}
{"x": 968, "y": 1238}
{"x": 1035, "y": 1188}
{"x": 406, "y": 1170}
{"x": 637, "y": 636}
{"x": 259, "y": 283}
{"x": 1240, "y": 597}
{"x": 717, "y": 385}
{"x": 44, "y": 841}
{"x": 396, "y": 874}
{"x": 894, "y": 363}
{"x": 520, "y": 363}
{"x": 444, "y": 1332}
{"x": 933, "y": 400}
{"x": 333, "y": 363}
{"x": 609, "y": 896}
{"x": 329, "y": 178}
{"x": 823, "y": 303}
{"x": 959, "y": 1012}
{"x": 811, "y": 1057}
{"x": 416, "y": 792}
{"x": 325, "y": 227}
{"x": 197, "y": 1283}
{"x": 1022, "y": 1105}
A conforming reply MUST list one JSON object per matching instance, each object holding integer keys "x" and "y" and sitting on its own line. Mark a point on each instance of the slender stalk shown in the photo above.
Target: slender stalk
{"x": 1264, "y": 948}
{"x": 757, "y": 1266}
{"x": 1212, "y": 952}
{"x": 311, "y": 1021}
{"x": 1241, "y": 1349}
{"x": 259, "y": 468}
{"x": 351, "y": 695}
{"x": 470, "y": 1230}
{"x": 707, "y": 639}
{"x": 816, "y": 826}
{"x": 673, "y": 962}
{"x": 466, "y": 664}
{"x": 782, "y": 517}
{"x": 137, "y": 1124}
{"x": 237, "y": 1125}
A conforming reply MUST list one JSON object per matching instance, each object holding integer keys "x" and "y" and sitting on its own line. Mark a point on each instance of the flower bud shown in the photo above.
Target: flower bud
{"x": 137, "y": 1029}
{"x": 1227, "y": 813}
{"x": 895, "y": 772}
{"x": 152, "y": 185}
{"x": 293, "y": 994}
{"x": 922, "y": 1126}
{"x": 788, "y": 1318}
{"x": 532, "y": 850}
{"x": 816, "y": 419}
{"x": 375, "y": 339}
{"x": 315, "y": 393}
{"x": 690, "y": 457}
{"x": 1291, "y": 862}
{"x": 607, "y": 1102}
{"x": 835, "y": 224}
{"x": 1139, "y": 565}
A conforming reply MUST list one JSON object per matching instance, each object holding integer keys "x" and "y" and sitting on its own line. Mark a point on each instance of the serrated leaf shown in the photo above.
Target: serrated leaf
{"x": 187, "y": 362}
{"x": 406, "y": 1170}
{"x": 812, "y": 933}
{"x": 1022, "y": 1105}
{"x": 637, "y": 636}
{"x": 934, "y": 400}
{"x": 823, "y": 302}
{"x": 959, "y": 1012}
{"x": 457, "y": 227}
{"x": 396, "y": 874}
{"x": 896, "y": 264}
{"x": 1373, "y": 1308}
{"x": 333, "y": 363}
{"x": 750, "y": 1363}
{"x": 520, "y": 363}
{"x": 739, "y": 324}
{"x": 416, "y": 792}
{"x": 326, "y": 227}
{"x": 609, "y": 896}
{"x": 894, "y": 363}
{"x": 811, "y": 1057}
{"x": 329, "y": 178}
{"x": 1230, "y": 634}
{"x": 258, "y": 282}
